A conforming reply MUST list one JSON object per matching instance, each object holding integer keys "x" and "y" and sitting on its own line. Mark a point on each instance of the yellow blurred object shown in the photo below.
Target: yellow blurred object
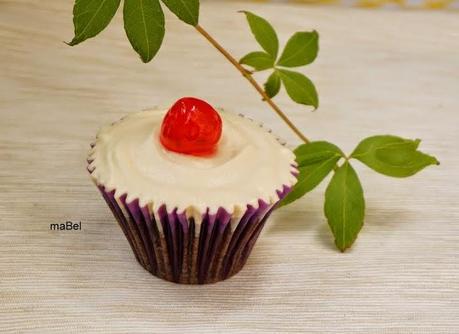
{"x": 409, "y": 4}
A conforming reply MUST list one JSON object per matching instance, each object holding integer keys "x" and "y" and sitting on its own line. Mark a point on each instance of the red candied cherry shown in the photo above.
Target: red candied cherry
{"x": 191, "y": 126}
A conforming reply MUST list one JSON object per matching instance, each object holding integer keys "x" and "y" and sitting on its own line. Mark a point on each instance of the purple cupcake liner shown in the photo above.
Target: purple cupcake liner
{"x": 178, "y": 249}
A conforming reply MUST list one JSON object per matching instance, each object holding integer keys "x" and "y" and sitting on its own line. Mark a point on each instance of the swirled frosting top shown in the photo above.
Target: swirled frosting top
{"x": 249, "y": 165}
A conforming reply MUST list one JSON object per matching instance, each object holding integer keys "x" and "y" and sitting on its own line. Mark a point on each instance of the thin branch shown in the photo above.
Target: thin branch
{"x": 255, "y": 84}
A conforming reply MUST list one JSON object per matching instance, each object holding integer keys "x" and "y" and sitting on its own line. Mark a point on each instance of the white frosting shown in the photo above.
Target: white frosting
{"x": 248, "y": 165}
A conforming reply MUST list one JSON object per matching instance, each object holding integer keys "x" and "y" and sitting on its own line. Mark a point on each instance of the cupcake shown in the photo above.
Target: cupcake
{"x": 190, "y": 187}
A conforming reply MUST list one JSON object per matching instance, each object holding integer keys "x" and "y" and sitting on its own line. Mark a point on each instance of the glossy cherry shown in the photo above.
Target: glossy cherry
{"x": 191, "y": 126}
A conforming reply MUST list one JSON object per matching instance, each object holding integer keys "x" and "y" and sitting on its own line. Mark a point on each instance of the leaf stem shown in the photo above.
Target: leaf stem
{"x": 252, "y": 81}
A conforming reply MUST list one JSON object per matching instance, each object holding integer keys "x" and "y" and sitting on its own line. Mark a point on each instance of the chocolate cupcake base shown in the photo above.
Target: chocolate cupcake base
{"x": 178, "y": 249}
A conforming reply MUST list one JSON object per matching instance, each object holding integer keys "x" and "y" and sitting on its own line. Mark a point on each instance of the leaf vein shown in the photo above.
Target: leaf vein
{"x": 90, "y": 21}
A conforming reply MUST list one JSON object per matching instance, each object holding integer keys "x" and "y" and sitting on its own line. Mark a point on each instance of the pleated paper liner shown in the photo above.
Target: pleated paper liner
{"x": 178, "y": 249}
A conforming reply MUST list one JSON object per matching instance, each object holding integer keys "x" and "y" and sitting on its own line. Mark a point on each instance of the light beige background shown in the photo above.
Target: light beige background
{"x": 378, "y": 72}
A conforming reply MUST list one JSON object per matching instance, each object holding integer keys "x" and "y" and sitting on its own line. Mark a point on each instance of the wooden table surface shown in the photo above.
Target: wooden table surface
{"x": 378, "y": 72}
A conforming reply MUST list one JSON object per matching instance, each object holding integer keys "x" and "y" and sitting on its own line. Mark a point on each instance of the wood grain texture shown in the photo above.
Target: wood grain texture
{"x": 377, "y": 72}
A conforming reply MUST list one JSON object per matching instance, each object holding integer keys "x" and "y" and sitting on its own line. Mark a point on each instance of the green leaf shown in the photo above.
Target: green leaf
{"x": 393, "y": 156}
{"x": 264, "y": 33}
{"x": 259, "y": 60}
{"x": 186, "y": 10}
{"x": 315, "y": 161}
{"x": 144, "y": 26}
{"x": 309, "y": 177}
{"x": 273, "y": 85}
{"x": 301, "y": 49}
{"x": 299, "y": 88}
{"x": 90, "y": 17}
{"x": 345, "y": 206}
{"x": 316, "y": 151}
